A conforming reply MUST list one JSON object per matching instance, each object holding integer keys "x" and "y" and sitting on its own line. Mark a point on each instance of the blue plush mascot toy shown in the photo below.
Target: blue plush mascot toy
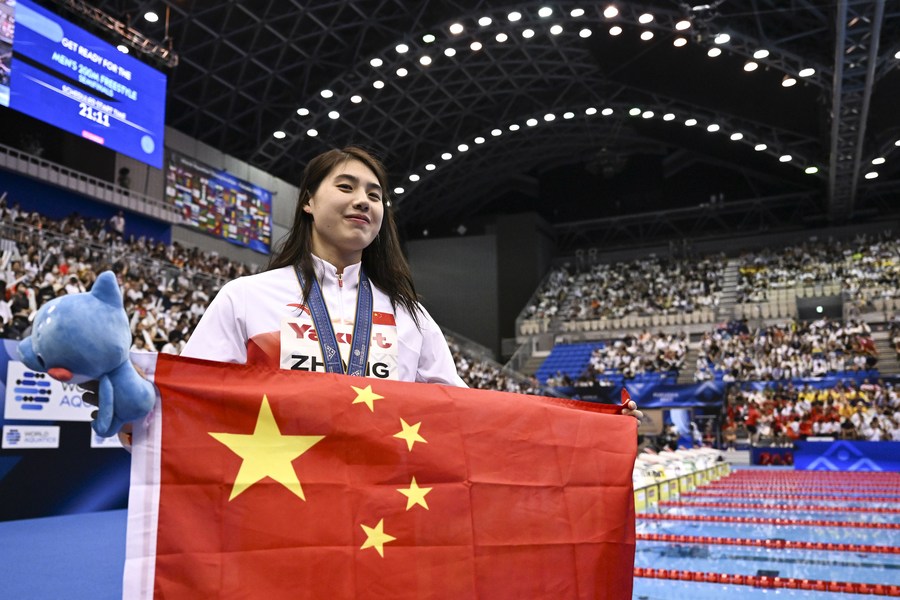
{"x": 81, "y": 337}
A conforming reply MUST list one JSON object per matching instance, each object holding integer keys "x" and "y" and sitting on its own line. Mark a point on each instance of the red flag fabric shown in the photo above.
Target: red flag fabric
{"x": 254, "y": 483}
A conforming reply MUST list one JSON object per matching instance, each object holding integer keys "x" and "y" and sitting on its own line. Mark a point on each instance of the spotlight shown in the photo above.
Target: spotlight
{"x": 714, "y": 52}
{"x": 645, "y": 18}
{"x": 669, "y": 117}
{"x": 550, "y": 117}
{"x": 647, "y": 36}
{"x": 449, "y": 52}
{"x": 682, "y": 25}
{"x": 531, "y": 122}
{"x": 376, "y": 62}
{"x": 377, "y": 84}
{"x": 456, "y": 28}
{"x": 428, "y": 38}
{"x": 545, "y": 12}
{"x": 760, "y": 147}
{"x": 326, "y": 93}
{"x": 402, "y": 72}
{"x": 788, "y": 81}
{"x": 690, "y": 122}
{"x": 871, "y": 175}
{"x": 462, "y": 147}
{"x": 785, "y": 158}
{"x": 811, "y": 170}
{"x": 479, "y": 140}
{"x": 514, "y": 16}
{"x": 402, "y": 48}
{"x": 556, "y": 30}
{"x": 722, "y": 38}
{"x": 312, "y": 132}
{"x": 501, "y": 37}
{"x": 475, "y": 46}
{"x": 737, "y": 136}
{"x": 122, "y": 48}
{"x": 807, "y": 72}
{"x": 606, "y": 112}
{"x": 590, "y": 111}
{"x": 528, "y": 33}
{"x": 355, "y": 98}
{"x": 398, "y": 190}
{"x": 514, "y": 127}
{"x": 634, "y": 112}
{"x": 568, "y": 115}
{"x": 425, "y": 61}
{"x": 496, "y": 132}
{"x": 485, "y": 21}
{"x": 760, "y": 54}
{"x": 584, "y": 33}
{"x": 151, "y": 17}
{"x": 302, "y": 111}
{"x": 446, "y": 156}
{"x": 430, "y": 167}
{"x": 610, "y": 12}
{"x": 615, "y": 30}
{"x": 679, "y": 42}
{"x": 576, "y": 12}
{"x": 647, "y": 114}
{"x": 878, "y": 161}
{"x": 333, "y": 115}
{"x": 279, "y": 135}
{"x": 751, "y": 66}
{"x": 712, "y": 128}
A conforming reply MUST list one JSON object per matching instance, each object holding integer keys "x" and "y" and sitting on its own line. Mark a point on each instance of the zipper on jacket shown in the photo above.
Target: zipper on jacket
{"x": 340, "y": 277}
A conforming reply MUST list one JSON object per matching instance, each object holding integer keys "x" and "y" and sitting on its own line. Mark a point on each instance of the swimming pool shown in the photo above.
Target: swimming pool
{"x": 759, "y": 534}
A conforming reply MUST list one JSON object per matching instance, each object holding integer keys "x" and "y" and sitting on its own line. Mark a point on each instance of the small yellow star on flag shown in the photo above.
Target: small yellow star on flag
{"x": 366, "y": 396}
{"x": 267, "y": 453}
{"x": 410, "y": 433}
{"x": 376, "y": 538}
{"x": 415, "y": 495}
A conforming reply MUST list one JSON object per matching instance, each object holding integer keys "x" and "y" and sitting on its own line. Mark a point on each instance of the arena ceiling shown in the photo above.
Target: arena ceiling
{"x": 538, "y": 106}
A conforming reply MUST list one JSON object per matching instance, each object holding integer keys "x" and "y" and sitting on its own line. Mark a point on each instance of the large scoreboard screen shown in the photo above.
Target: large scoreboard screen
{"x": 59, "y": 73}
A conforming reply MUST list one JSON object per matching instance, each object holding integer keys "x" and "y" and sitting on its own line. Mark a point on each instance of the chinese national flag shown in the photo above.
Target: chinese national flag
{"x": 253, "y": 483}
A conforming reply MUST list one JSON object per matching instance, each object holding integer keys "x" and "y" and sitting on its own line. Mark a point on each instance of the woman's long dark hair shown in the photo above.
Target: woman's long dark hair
{"x": 382, "y": 260}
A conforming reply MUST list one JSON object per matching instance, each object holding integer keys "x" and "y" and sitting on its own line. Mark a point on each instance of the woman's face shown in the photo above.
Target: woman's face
{"x": 347, "y": 212}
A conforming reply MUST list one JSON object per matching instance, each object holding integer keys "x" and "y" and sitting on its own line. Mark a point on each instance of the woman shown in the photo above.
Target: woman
{"x": 340, "y": 269}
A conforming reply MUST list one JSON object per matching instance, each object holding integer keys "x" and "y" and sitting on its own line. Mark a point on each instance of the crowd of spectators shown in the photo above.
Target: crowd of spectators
{"x": 166, "y": 287}
{"x": 865, "y": 267}
{"x": 798, "y": 349}
{"x": 782, "y": 414}
{"x": 646, "y": 287}
{"x": 639, "y": 354}
{"x": 484, "y": 374}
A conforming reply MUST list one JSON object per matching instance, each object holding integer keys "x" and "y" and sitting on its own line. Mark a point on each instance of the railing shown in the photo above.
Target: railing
{"x": 53, "y": 173}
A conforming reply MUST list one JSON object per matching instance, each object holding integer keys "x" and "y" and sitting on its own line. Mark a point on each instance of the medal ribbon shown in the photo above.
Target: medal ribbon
{"x": 362, "y": 328}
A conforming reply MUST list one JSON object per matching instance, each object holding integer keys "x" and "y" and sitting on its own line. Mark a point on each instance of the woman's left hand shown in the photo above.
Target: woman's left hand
{"x": 631, "y": 410}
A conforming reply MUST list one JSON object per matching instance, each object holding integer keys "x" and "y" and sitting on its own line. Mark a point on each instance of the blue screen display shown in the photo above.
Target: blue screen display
{"x": 58, "y": 73}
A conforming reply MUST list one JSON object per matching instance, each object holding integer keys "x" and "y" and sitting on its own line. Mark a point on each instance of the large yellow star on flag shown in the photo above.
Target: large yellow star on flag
{"x": 267, "y": 453}
{"x": 415, "y": 495}
{"x": 410, "y": 433}
{"x": 376, "y": 538}
{"x": 366, "y": 396}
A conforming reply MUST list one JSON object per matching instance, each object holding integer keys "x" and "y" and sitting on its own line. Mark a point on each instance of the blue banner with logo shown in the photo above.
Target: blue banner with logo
{"x": 845, "y": 455}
